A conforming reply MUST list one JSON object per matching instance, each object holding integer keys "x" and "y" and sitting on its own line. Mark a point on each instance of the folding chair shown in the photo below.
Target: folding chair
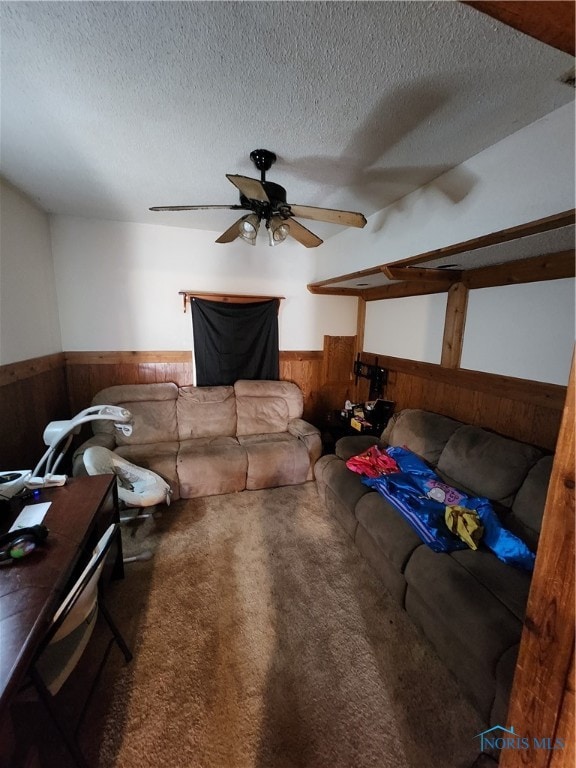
{"x": 68, "y": 636}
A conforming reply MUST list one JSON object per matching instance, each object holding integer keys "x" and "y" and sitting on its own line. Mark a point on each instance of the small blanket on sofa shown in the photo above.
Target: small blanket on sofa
{"x": 421, "y": 497}
{"x": 373, "y": 462}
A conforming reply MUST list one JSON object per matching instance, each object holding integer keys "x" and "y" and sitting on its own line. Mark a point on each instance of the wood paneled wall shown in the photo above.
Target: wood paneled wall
{"x": 524, "y": 410}
{"x": 542, "y": 700}
{"x": 34, "y": 392}
{"x": 89, "y": 372}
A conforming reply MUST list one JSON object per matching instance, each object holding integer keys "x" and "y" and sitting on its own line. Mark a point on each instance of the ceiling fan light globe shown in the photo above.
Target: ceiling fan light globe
{"x": 277, "y": 231}
{"x": 249, "y": 228}
{"x": 280, "y": 233}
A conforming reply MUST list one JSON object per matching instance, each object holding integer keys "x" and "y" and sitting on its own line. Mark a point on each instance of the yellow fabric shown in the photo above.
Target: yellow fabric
{"x": 465, "y": 523}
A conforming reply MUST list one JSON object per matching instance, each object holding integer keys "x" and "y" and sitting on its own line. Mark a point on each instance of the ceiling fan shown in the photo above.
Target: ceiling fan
{"x": 266, "y": 201}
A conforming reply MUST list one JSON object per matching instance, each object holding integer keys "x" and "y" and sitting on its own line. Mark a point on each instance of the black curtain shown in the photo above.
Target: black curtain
{"x": 235, "y": 341}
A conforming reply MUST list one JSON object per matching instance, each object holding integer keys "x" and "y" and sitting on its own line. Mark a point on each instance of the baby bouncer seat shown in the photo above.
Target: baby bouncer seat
{"x": 137, "y": 487}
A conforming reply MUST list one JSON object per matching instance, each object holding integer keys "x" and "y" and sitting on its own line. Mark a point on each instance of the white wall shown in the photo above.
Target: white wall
{"x": 118, "y": 285}
{"x": 411, "y": 327}
{"x": 29, "y": 324}
{"x": 537, "y": 344}
{"x": 527, "y": 176}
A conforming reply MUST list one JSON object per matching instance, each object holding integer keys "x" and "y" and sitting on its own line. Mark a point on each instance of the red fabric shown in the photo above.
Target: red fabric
{"x": 372, "y": 463}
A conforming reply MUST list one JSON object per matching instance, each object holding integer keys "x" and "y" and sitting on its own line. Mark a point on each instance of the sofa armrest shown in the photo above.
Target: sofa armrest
{"x": 301, "y": 428}
{"x": 310, "y": 436}
{"x": 352, "y": 445}
{"x": 102, "y": 440}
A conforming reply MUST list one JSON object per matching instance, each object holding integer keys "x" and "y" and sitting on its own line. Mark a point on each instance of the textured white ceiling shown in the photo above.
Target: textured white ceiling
{"x": 108, "y": 108}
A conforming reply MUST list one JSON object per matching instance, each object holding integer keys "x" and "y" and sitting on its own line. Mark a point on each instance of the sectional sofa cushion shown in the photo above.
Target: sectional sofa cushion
{"x": 422, "y": 432}
{"x": 206, "y": 412}
{"x": 469, "y": 626}
{"x": 155, "y": 424}
{"x": 274, "y": 459}
{"x": 525, "y": 519}
{"x": 261, "y": 415}
{"x": 396, "y": 538}
{"x": 488, "y": 464}
{"x": 210, "y": 466}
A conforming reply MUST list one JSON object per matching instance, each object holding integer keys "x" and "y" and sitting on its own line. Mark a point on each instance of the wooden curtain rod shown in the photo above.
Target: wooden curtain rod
{"x": 232, "y": 298}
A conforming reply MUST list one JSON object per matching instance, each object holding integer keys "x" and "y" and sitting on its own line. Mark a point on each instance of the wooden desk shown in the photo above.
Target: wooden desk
{"x": 32, "y": 588}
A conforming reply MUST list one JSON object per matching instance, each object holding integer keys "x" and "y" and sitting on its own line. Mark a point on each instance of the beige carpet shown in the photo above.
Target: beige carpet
{"x": 262, "y": 639}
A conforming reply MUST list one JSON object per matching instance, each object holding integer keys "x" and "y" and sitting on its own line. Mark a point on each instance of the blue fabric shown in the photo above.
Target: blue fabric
{"x": 421, "y": 497}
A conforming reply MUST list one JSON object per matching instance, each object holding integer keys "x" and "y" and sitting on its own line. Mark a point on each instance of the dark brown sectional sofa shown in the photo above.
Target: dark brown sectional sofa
{"x": 469, "y": 604}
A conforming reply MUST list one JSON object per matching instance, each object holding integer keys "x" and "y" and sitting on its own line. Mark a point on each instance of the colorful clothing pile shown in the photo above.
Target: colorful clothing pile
{"x": 423, "y": 499}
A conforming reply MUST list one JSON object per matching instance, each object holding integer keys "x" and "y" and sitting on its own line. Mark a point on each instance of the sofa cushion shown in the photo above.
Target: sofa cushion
{"x": 395, "y": 538}
{"x": 422, "y": 432}
{"x": 153, "y": 422}
{"x": 488, "y": 464}
{"x": 525, "y": 519}
{"x": 352, "y": 445}
{"x": 261, "y": 415}
{"x": 153, "y": 407}
{"x": 132, "y": 393}
{"x": 468, "y": 625}
{"x": 206, "y": 412}
{"x": 476, "y": 681}
{"x": 275, "y": 460}
{"x": 509, "y": 585}
{"x": 285, "y": 390}
{"x": 208, "y": 466}
{"x": 464, "y": 603}
{"x": 345, "y": 485}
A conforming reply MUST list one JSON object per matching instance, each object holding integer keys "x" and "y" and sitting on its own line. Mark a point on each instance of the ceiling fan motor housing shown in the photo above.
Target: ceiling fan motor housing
{"x": 263, "y": 159}
{"x": 264, "y": 209}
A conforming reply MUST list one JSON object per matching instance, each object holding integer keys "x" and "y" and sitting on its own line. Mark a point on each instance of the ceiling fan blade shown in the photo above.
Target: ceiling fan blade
{"x": 303, "y": 235}
{"x": 332, "y": 216}
{"x": 250, "y": 188}
{"x": 231, "y": 233}
{"x": 194, "y": 207}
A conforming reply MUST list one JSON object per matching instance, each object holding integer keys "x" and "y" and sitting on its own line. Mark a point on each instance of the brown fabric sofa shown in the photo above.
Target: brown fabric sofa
{"x": 469, "y": 604}
{"x": 211, "y": 440}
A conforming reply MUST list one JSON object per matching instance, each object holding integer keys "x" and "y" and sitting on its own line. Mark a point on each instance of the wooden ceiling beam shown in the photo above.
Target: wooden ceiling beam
{"x": 550, "y": 22}
{"x": 553, "y": 266}
{"x": 443, "y": 276}
{"x": 401, "y": 290}
{"x": 327, "y": 290}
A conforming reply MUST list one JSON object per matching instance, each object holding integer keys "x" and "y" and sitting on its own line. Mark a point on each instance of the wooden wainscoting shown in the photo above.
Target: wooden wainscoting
{"x": 89, "y": 372}
{"x": 529, "y": 411}
{"x": 32, "y": 393}
{"x": 305, "y": 369}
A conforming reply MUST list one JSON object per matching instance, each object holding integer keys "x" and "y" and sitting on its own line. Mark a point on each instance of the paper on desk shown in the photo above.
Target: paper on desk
{"x": 31, "y": 514}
